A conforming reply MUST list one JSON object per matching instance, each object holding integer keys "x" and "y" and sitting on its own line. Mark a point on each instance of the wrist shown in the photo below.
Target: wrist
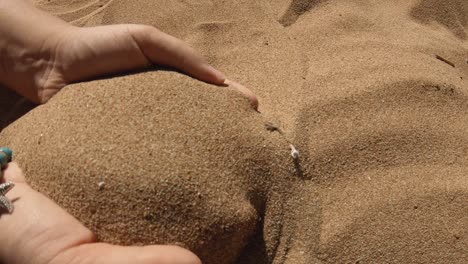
{"x": 26, "y": 46}
{"x": 19, "y": 72}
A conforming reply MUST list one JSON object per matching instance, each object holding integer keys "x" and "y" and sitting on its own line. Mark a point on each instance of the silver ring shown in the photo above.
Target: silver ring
{"x": 6, "y": 204}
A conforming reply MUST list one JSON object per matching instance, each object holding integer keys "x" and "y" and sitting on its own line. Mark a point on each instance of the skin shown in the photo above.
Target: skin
{"x": 39, "y": 55}
{"x": 40, "y": 232}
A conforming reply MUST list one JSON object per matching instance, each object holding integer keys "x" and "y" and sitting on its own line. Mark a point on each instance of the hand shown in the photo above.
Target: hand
{"x": 40, "y": 232}
{"x": 83, "y": 53}
{"x": 42, "y": 53}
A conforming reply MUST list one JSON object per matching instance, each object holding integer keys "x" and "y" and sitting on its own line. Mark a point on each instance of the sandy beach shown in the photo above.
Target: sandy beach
{"x": 373, "y": 95}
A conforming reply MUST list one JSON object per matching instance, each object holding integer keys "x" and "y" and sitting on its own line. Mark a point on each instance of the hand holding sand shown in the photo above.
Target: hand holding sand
{"x": 40, "y": 54}
{"x": 39, "y": 231}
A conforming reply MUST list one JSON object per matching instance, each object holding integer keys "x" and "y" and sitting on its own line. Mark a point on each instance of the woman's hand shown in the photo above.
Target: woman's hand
{"x": 40, "y": 232}
{"x": 40, "y": 54}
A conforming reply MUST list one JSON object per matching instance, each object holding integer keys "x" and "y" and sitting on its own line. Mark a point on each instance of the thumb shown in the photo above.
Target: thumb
{"x": 110, "y": 254}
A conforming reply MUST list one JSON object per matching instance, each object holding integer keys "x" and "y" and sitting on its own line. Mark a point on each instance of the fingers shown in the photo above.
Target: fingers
{"x": 109, "y": 254}
{"x": 13, "y": 173}
{"x": 164, "y": 49}
{"x": 116, "y": 48}
{"x": 244, "y": 91}
{"x": 161, "y": 48}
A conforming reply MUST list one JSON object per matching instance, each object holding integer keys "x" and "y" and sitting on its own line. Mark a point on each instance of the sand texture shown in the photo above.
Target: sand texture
{"x": 372, "y": 93}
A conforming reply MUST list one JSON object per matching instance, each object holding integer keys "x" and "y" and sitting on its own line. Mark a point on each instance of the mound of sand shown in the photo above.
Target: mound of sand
{"x": 180, "y": 163}
{"x": 372, "y": 93}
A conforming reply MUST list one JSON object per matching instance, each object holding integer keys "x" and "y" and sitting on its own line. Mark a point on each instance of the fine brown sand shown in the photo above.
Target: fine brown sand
{"x": 372, "y": 93}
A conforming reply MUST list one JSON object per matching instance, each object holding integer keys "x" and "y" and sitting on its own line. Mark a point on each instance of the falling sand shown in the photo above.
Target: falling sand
{"x": 372, "y": 94}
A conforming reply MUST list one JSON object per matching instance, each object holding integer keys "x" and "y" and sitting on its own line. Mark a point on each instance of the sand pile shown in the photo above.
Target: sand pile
{"x": 176, "y": 164}
{"x": 372, "y": 93}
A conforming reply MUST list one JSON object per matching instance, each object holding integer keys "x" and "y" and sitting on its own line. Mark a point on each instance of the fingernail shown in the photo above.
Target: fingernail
{"x": 226, "y": 82}
{"x": 245, "y": 91}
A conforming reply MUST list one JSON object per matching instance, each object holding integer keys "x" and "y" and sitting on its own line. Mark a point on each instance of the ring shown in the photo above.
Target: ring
{"x": 6, "y": 204}
{"x": 6, "y": 156}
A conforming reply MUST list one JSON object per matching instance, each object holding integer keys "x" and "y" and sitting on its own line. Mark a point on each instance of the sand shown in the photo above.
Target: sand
{"x": 373, "y": 94}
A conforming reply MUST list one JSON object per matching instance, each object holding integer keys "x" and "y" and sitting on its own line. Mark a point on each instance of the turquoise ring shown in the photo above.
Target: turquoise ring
{"x": 6, "y": 156}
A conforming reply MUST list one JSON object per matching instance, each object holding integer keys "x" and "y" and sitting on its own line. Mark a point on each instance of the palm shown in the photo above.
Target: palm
{"x": 39, "y": 231}
{"x": 83, "y": 53}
